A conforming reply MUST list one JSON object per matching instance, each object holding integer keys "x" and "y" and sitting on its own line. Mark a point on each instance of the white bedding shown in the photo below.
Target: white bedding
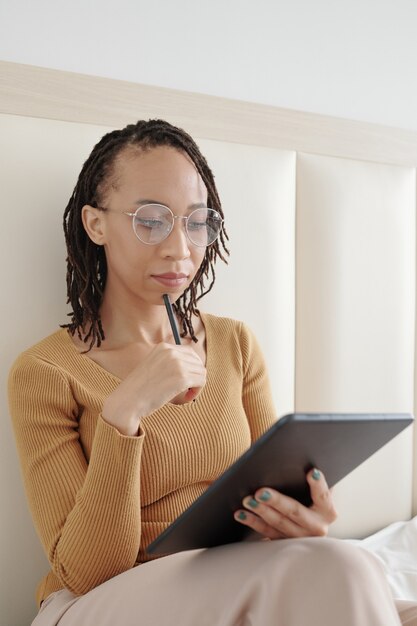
{"x": 396, "y": 547}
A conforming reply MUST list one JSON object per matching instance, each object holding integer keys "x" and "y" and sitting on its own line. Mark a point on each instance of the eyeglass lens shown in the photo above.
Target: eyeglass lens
{"x": 153, "y": 223}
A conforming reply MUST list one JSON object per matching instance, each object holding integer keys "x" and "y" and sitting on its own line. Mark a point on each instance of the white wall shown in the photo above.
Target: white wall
{"x": 353, "y": 59}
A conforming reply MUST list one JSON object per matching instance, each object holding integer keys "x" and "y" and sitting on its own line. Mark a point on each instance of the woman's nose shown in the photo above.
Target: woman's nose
{"x": 177, "y": 244}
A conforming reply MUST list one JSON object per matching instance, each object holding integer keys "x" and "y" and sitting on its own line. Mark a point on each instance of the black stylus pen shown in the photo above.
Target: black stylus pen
{"x": 172, "y": 321}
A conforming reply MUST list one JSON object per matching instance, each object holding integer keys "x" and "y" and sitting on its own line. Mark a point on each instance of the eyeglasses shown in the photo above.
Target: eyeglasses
{"x": 152, "y": 223}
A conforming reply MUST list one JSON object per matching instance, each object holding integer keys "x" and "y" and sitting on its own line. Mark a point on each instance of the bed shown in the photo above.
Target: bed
{"x": 321, "y": 214}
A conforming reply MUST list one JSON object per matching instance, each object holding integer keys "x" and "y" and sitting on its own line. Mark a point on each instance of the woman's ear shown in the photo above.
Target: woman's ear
{"x": 93, "y": 221}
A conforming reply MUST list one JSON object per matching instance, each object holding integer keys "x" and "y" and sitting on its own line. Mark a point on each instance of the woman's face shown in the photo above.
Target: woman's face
{"x": 137, "y": 271}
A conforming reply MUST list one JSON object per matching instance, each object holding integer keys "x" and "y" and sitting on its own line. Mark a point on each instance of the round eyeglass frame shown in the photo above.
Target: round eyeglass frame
{"x": 174, "y": 217}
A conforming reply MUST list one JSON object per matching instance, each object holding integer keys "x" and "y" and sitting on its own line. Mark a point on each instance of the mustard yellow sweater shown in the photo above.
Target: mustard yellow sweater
{"x": 97, "y": 497}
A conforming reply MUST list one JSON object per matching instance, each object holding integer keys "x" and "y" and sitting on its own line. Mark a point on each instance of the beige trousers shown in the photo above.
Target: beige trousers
{"x": 314, "y": 581}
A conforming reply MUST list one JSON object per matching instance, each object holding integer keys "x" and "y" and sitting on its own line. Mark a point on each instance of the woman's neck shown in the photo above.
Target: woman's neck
{"x": 147, "y": 325}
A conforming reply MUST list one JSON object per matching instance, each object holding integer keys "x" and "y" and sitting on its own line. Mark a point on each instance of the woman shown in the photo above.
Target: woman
{"x": 119, "y": 429}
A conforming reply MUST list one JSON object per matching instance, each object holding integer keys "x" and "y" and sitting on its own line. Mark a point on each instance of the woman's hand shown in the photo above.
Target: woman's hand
{"x": 276, "y": 516}
{"x": 170, "y": 373}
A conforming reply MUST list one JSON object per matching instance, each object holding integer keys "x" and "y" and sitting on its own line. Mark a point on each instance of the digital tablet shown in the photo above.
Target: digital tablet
{"x": 335, "y": 443}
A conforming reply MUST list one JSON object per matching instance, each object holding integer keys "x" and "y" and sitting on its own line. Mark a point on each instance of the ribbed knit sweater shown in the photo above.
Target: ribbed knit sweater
{"x": 97, "y": 497}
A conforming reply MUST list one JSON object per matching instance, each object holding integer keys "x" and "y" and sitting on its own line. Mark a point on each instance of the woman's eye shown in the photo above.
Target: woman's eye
{"x": 197, "y": 225}
{"x": 149, "y": 223}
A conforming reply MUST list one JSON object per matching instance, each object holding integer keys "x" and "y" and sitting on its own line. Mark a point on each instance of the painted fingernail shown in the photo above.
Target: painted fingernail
{"x": 252, "y": 503}
{"x": 242, "y": 515}
{"x": 265, "y": 496}
{"x": 316, "y": 474}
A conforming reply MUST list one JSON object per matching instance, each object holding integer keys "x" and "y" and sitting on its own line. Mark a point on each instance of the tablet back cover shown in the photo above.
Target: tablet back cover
{"x": 334, "y": 443}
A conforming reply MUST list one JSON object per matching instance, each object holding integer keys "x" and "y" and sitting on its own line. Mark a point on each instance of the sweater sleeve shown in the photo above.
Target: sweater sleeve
{"x": 256, "y": 390}
{"x": 87, "y": 515}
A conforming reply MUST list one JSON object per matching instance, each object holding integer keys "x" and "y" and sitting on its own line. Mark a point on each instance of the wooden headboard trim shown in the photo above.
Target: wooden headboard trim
{"x": 54, "y": 94}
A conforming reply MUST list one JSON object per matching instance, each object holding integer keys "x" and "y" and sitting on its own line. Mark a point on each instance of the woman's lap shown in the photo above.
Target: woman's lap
{"x": 268, "y": 583}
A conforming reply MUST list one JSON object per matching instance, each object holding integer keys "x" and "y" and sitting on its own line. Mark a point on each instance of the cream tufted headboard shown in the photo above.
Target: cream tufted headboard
{"x": 321, "y": 215}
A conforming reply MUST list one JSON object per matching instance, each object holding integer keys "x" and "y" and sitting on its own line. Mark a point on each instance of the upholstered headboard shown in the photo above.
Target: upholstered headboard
{"x": 321, "y": 215}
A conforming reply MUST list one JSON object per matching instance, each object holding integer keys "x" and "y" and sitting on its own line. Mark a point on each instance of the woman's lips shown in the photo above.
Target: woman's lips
{"x": 170, "y": 279}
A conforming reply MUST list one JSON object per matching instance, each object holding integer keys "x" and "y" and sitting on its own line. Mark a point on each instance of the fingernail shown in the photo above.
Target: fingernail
{"x": 265, "y": 496}
{"x": 242, "y": 515}
{"x": 252, "y": 503}
{"x": 316, "y": 474}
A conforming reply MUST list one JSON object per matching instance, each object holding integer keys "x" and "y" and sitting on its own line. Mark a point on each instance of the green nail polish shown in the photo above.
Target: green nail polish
{"x": 242, "y": 515}
{"x": 316, "y": 474}
{"x": 252, "y": 503}
{"x": 265, "y": 496}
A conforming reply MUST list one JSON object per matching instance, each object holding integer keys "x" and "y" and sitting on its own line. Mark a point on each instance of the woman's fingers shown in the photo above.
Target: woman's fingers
{"x": 187, "y": 396}
{"x": 258, "y": 524}
{"x": 321, "y": 495}
{"x": 284, "y": 514}
{"x": 170, "y": 373}
{"x": 169, "y": 370}
{"x": 276, "y": 515}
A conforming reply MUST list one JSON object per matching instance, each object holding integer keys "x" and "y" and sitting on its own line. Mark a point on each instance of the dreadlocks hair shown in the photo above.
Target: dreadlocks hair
{"x": 86, "y": 261}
